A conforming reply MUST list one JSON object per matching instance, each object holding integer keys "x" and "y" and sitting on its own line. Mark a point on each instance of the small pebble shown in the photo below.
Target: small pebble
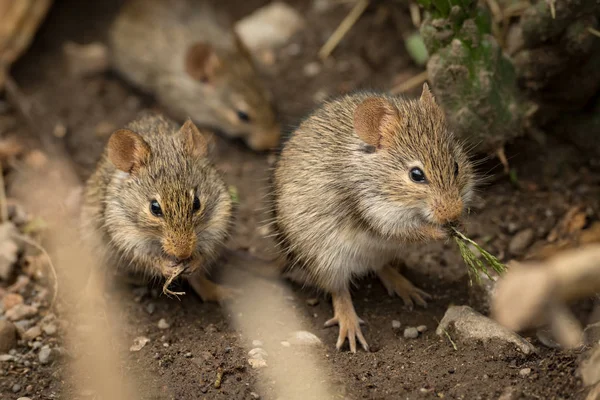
{"x": 312, "y": 69}
{"x": 7, "y": 357}
{"x": 150, "y": 308}
{"x": 21, "y": 311}
{"x": 285, "y": 343}
{"x": 257, "y": 343}
{"x": 16, "y": 388}
{"x": 8, "y": 336}
{"x": 46, "y": 355}
{"x": 312, "y": 301}
{"x": 304, "y": 338}
{"x": 411, "y": 333}
{"x": 257, "y": 363}
{"x": 23, "y": 398}
{"x": 138, "y": 343}
{"x": 32, "y": 333}
{"x": 396, "y": 324}
{"x": 10, "y": 300}
{"x": 188, "y": 355}
{"x": 163, "y": 324}
{"x": 258, "y": 353}
{"x": 165, "y": 344}
{"x": 525, "y": 371}
{"x": 50, "y": 329}
{"x": 422, "y": 328}
{"x": 255, "y": 396}
{"x": 521, "y": 241}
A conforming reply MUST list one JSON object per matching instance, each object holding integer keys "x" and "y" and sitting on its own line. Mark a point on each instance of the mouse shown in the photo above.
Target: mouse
{"x": 155, "y": 205}
{"x": 360, "y": 177}
{"x": 188, "y": 56}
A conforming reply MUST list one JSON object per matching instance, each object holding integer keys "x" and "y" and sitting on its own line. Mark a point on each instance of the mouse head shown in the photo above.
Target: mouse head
{"x": 239, "y": 103}
{"x": 169, "y": 203}
{"x": 423, "y": 176}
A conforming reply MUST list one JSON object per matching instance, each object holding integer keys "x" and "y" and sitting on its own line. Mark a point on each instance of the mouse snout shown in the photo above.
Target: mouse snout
{"x": 180, "y": 248}
{"x": 265, "y": 139}
{"x": 448, "y": 212}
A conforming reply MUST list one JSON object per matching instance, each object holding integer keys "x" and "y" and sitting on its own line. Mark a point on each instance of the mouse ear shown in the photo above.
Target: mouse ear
{"x": 194, "y": 142}
{"x": 127, "y": 150}
{"x": 374, "y": 119}
{"x": 202, "y": 62}
{"x": 426, "y": 95}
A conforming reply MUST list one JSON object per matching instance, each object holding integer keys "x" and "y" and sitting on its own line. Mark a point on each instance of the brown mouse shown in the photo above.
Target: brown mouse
{"x": 156, "y": 204}
{"x": 191, "y": 59}
{"x": 361, "y": 176}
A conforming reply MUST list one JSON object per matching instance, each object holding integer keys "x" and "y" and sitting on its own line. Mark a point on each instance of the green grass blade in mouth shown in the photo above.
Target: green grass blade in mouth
{"x": 477, "y": 264}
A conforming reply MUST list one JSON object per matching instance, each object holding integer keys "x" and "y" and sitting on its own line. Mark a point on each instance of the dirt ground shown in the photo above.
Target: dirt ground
{"x": 182, "y": 360}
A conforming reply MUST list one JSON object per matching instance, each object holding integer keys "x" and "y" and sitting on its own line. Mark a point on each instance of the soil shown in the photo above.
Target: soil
{"x": 550, "y": 179}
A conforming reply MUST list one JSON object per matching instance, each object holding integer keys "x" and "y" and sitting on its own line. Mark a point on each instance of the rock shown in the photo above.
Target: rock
{"x": 304, "y": 338}
{"x": 269, "y": 27}
{"x": 86, "y": 59}
{"x": 9, "y": 249}
{"x": 257, "y": 358}
{"x": 470, "y": 325}
{"x": 521, "y": 241}
{"x": 188, "y": 355}
{"x": 257, "y": 363}
{"x": 312, "y": 69}
{"x": 7, "y": 357}
{"x": 396, "y": 324}
{"x": 422, "y": 328}
{"x": 21, "y": 311}
{"x": 257, "y": 343}
{"x": 150, "y": 308}
{"x": 8, "y": 336}
{"x": 163, "y": 324}
{"x": 46, "y": 355}
{"x": 16, "y": 388}
{"x": 411, "y": 333}
{"x": 254, "y": 395}
{"x": 591, "y": 334}
{"x": 312, "y": 301}
{"x": 590, "y": 368}
{"x": 285, "y": 343}
{"x": 49, "y": 329}
{"x": 139, "y": 343}
{"x": 525, "y": 372}
{"x": 23, "y": 398}
{"x": 32, "y": 333}
{"x": 10, "y": 300}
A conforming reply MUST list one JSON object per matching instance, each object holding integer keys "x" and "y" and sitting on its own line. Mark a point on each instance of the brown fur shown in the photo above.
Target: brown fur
{"x": 191, "y": 59}
{"x": 342, "y": 197}
{"x": 116, "y": 217}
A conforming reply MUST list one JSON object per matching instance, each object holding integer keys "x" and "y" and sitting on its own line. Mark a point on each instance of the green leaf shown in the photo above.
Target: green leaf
{"x": 416, "y": 48}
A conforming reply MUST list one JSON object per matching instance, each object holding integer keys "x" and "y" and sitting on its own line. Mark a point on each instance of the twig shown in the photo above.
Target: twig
{"x": 219, "y": 378}
{"x": 415, "y": 15}
{"x": 50, "y": 264}
{"x": 343, "y": 28}
{"x": 3, "y": 205}
{"x": 411, "y": 83}
{"x": 594, "y": 32}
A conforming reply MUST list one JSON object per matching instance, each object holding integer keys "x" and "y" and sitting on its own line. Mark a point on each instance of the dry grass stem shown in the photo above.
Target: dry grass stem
{"x": 344, "y": 27}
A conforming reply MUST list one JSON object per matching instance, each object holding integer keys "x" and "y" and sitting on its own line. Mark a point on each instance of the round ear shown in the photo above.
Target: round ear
{"x": 374, "y": 119}
{"x": 202, "y": 62}
{"x": 194, "y": 142}
{"x": 127, "y": 150}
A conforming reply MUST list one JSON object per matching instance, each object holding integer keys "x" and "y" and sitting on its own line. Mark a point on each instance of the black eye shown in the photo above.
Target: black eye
{"x": 417, "y": 175}
{"x": 243, "y": 116}
{"x": 155, "y": 208}
{"x": 196, "y": 205}
{"x": 455, "y": 169}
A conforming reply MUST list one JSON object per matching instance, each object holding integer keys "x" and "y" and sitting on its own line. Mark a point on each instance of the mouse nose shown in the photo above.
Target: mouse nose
{"x": 448, "y": 213}
{"x": 180, "y": 249}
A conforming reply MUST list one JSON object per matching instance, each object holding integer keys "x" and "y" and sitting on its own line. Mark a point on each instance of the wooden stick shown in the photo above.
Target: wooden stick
{"x": 411, "y": 83}
{"x": 343, "y": 28}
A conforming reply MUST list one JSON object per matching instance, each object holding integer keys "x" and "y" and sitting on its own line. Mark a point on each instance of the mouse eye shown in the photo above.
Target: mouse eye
{"x": 417, "y": 175}
{"x": 455, "y": 169}
{"x": 155, "y": 208}
{"x": 196, "y": 205}
{"x": 243, "y": 116}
